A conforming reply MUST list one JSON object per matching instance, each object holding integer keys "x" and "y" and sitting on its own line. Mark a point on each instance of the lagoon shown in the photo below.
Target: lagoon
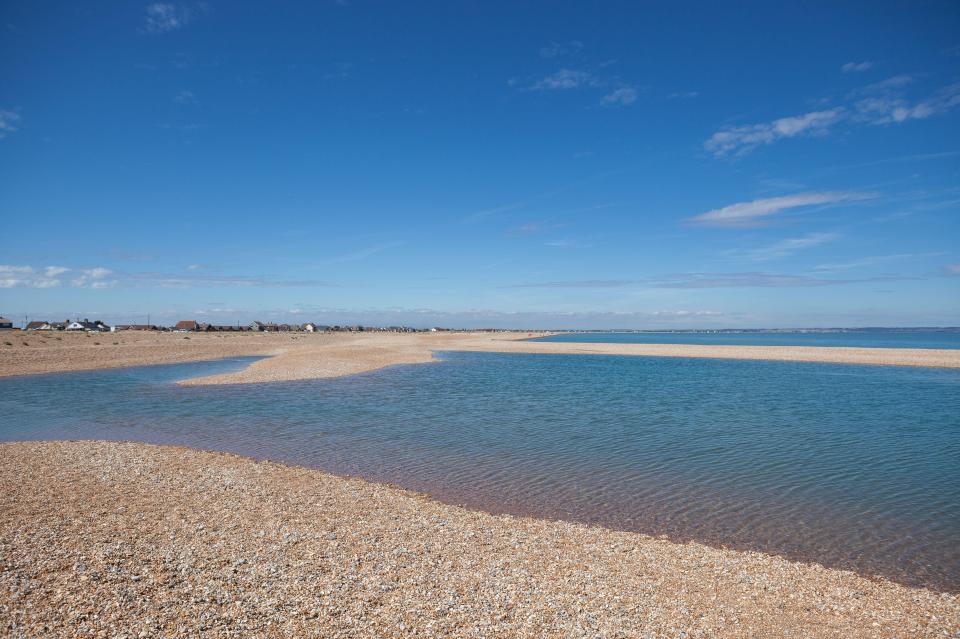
{"x": 852, "y": 466}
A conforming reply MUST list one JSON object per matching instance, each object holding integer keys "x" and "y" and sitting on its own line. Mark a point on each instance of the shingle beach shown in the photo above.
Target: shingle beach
{"x": 129, "y": 540}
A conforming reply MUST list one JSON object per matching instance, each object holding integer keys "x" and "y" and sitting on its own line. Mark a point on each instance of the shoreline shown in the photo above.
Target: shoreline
{"x": 88, "y": 525}
{"x": 302, "y": 356}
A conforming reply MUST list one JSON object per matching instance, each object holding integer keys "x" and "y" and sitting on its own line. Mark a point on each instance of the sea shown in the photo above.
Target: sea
{"x": 854, "y": 467}
{"x": 838, "y": 338}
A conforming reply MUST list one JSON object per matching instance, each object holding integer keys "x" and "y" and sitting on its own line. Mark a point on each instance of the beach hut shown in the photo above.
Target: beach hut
{"x": 5, "y": 324}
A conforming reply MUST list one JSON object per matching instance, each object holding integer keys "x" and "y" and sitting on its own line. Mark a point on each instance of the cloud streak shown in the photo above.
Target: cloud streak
{"x": 27, "y": 277}
{"x": 563, "y": 80}
{"x": 890, "y": 107}
{"x": 576, "y": 75}
{"x": 365, "y": 253}
{"x": 873, "y": 260}
{"x": 739, "y": 140}
{"x": 857, "y": 67}
{"x": 881, "y": 103}
{"x": 620, "y": 97}
{"x": 756, "y": 212}
{"x": 13, "y": 276}
{"x": 163, "y": 17}
{"x": 9, "y": 123}
{"x": 787, "y": 247}
{"x": 185, "y": 97}
{"x": 751, "y": 279}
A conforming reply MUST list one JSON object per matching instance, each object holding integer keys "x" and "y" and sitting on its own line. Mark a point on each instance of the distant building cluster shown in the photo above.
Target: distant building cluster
{"x": 193, "y": 326}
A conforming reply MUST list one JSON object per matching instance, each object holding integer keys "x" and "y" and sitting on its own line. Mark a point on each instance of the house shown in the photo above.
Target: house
{"x": 264, "y": 326}
{"x": 134, "y": 327}
{"x": 39, "y": 326}
{"x": 310, "y": 327}
{"x": 185, "y": 326}
{"x": 222, "y": 328}
{"x": 87, "y": 325}
{"x": 5, "y": 324}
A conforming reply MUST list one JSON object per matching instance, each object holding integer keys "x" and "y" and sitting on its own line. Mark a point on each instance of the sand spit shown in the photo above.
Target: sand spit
{"x": 27, "y": 353}
{"x": 306, "y": 356}
{"x": 120, "y": 539}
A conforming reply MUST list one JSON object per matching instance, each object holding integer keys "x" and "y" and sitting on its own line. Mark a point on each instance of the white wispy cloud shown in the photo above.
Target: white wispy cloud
{"x": 789, "y": 246}
{"x": 193, "y": 280}
{"x": 578, "y": 74}
{"x": 9, "y": 123}
{"x": 496, "y": 210}
{"x": 25, "y": 277}
{"x": 750, "y": 279}
{"x": 93, "y": 278}
{"x": 737, "y": 140}
{"x": 568, "y": 243}
{"x": 879, "y": 103}
{"x": 857, "y": 67}
{"x": 185, "y": 97}
{"x": 621, "y": 96}
{"x": 165, "y": 16}
{"x": 885, "y": 85}
{"x": 16, "y": 276}
{"x": 363, "y": 254}
{"x": 889, "y": 106}
{"x": 756, "y": 212}
{"x": 952, "y": 270}
{"x": 873, "y": 260}
{"x": 564, "y": 79}
{"x": 560, "y": 49}
{"x": 534, "y": 228}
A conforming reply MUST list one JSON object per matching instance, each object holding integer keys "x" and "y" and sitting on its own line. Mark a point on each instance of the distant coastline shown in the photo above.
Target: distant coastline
{"x": 866, "y": 329}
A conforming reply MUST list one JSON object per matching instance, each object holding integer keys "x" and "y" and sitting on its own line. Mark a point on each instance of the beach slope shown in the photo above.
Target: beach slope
{"x": 121, "y": 539}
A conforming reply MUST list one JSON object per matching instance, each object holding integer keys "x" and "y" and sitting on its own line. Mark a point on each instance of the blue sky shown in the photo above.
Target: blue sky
{"x": 551, "y": 164}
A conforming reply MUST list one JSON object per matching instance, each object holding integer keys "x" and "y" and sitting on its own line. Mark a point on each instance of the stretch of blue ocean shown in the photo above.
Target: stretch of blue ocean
{"x": 851, "y": 466}
{"x": 859, "y": 339}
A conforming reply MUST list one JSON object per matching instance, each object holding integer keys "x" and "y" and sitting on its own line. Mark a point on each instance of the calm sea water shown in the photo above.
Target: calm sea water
{"x": 866, "y": 339}
{"x": 853, "y": 466}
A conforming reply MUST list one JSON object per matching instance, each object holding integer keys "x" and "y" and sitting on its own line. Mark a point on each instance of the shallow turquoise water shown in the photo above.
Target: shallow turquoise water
{"x": 860, "y": 339}
{"x": 852, "y": 466}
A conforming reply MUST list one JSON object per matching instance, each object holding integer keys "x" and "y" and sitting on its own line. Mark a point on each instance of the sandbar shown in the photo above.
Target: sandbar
{"x": 298, "y": 356}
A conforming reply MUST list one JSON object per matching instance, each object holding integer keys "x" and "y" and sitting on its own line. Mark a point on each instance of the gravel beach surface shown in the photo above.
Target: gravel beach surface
{"x": 297, "y": 356}
{"x": 129, "y": 540}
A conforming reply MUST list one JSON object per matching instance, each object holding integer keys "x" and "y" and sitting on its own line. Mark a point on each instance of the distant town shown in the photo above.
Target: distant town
{"x": 193, "y": 326}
